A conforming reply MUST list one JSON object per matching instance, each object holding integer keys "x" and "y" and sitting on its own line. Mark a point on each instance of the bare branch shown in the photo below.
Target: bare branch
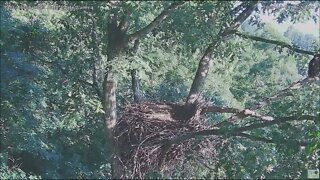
{"x": 243, "y": 15}
{"x": 278, "y": 43}
{"x": 266, "y": 101}
{"x": 283, "y": 93}
{"x": 163, "y": 15}
{"x": 239, "y": 112}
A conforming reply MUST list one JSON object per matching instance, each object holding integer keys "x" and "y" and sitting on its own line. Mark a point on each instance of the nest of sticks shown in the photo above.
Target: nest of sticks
{"x": 144, "y": 128}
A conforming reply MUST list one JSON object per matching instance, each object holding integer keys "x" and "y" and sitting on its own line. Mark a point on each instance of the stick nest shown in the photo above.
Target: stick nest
{"x": 144, "y": 130}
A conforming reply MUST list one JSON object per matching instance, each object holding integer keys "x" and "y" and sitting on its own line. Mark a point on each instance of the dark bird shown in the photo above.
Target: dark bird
{"x": 314, "y": 67}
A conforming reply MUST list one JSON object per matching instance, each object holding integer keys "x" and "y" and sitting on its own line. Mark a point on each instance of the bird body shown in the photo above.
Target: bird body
{"x": 314, "y": 67}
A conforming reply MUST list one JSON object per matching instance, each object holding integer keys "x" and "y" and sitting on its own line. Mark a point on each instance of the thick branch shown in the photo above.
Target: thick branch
{"x": 278, "y": 43}
{"x": 236, "y": 131}
{"x": 201, "y": 74}
{"x": 204, "y": 64}
{"x": 134, "y": 76}
{"x": 240, "y": 19}
{"x": 163, "y": 15}
{"x": 256, "y": 138}
{"x": 240, "y": 113}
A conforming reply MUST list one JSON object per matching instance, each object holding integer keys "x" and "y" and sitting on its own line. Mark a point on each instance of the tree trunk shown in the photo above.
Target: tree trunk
{"x": 202, "y": 72}
{"x": 135, "y": 85}
{"x": 204, "y": 64}
{"x": 134, "y": 76}
{"x": 110, "y": 104}
{"x": 117, "y": 43}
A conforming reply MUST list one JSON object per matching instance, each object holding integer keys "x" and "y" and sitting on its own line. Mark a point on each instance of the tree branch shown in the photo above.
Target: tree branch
{"x": 204, "y": 64}
{"x": 277, "y": 43}
{"x": 276, "y": 121}
{"x": 235, "y": 131}
{"x": 239, "y": 19}
{"x": 134, "y": 76}
{"x": 283, "y": 93}
{"x": 163, "y": 15}
{"x": 266, "y": 101}
{"x": 239, "y": 112}
{"x": 267, "y": 140}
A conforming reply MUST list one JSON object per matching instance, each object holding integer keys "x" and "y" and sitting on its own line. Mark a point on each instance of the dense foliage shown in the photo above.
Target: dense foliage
{"x": 53, "y": 60}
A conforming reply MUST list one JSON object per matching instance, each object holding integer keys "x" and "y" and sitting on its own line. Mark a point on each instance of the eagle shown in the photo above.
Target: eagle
{"x": 314, "y": 67}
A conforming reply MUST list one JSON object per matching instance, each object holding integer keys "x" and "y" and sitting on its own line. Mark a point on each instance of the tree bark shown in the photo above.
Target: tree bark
{"x": 201, "y": 74}
{"x": 110, "y": 104}
{"x": 118, "y": 41}
{"x": 135, "y": 86}
{"x": 204, "y": 64}
{"x": 134, "y": 76}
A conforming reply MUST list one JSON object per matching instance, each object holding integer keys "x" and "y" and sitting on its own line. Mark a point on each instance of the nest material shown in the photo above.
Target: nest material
{"x": 144, "y": 128}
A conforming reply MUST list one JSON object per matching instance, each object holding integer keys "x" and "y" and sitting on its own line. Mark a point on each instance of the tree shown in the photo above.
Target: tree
{"x": 93, "y": 51}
